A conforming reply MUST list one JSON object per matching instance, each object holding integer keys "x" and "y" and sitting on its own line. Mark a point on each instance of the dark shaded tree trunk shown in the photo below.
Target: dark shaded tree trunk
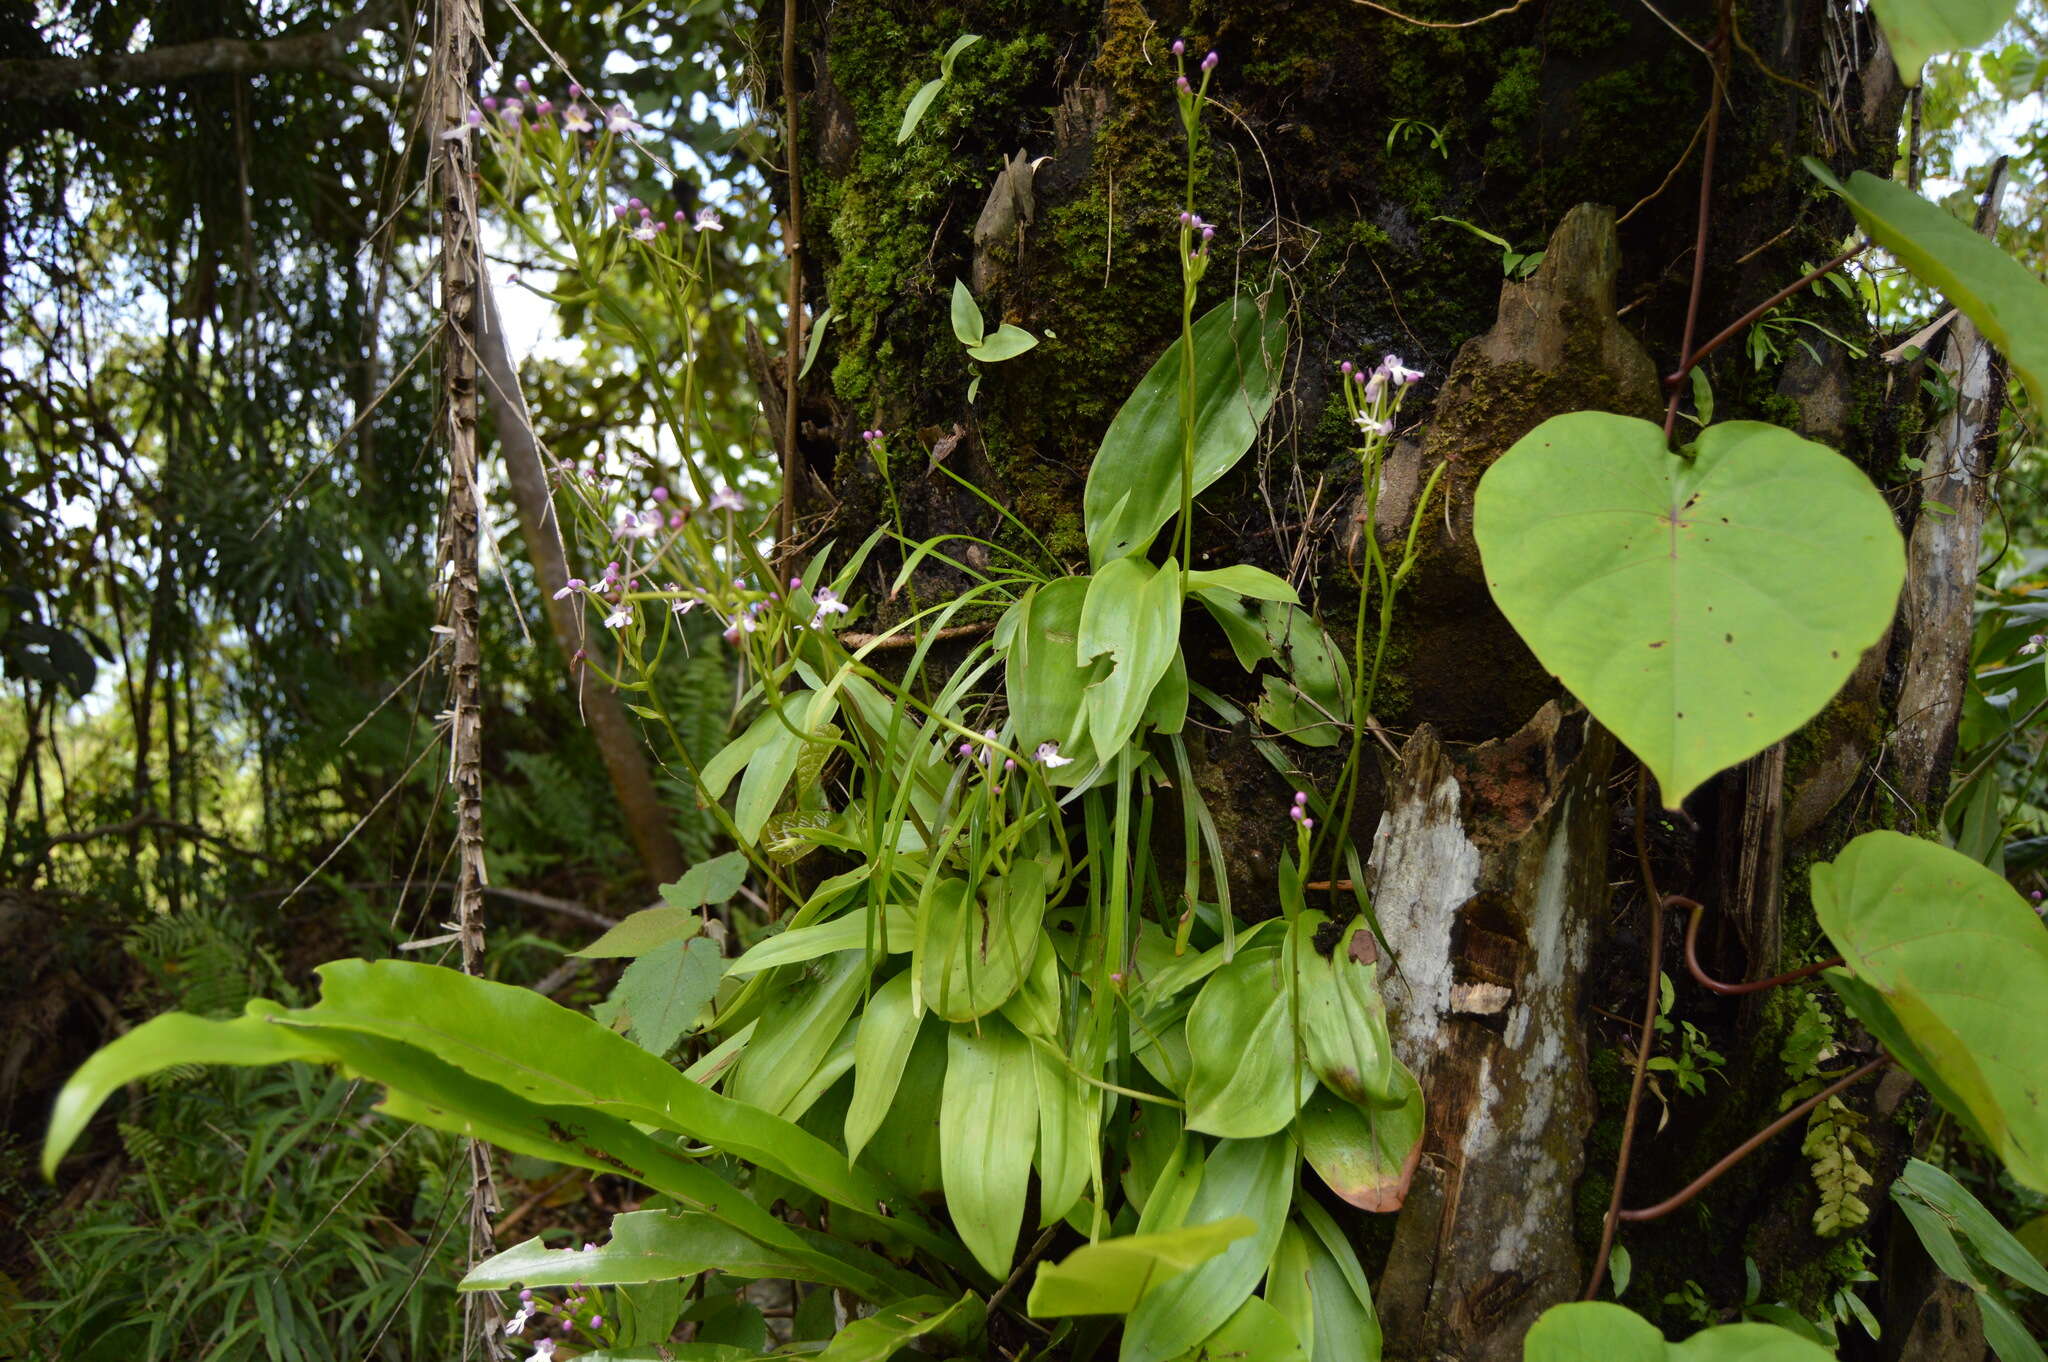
{"x": 1505, "y": 862}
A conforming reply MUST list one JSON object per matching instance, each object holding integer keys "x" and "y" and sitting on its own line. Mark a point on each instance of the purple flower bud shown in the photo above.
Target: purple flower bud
{"x": 1180, "y": 49}
{"x": 580, "y": 655}
{"x": 1209, "y": 62}
{"x": 475, "y": 118}
{"x": 1345, "y": 368}
{"x": 597, "y": 1321}
{"x": 1009, "y": 763}
{"x": 636, "y": 204}
{"x": 1301, "y": 798}
{"x": 660, "y": 494}
{"x": 619, "y": 212}
{"x": 1208, "y": 234}
{"x": 1182, "y": 83}
{"x": 523, "y": 86}
{"x": 491, "y": 103}
{"x": 796, "y": 584}
{"x": 1307, "y": 823}
{"x": 526, "y": 1294}
{"x": 544, "y": 108}
{"x": 675, "y": 520}
{"x": 1295, "y": 813}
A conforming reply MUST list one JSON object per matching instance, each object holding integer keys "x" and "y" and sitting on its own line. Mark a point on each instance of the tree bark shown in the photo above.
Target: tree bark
{"x": 1574, "y": 123}
{"x": 648, "y": 823}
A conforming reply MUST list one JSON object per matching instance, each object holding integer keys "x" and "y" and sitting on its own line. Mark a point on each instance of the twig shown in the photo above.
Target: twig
{"x": 895, "y": 639}
{"x": 1500, "y": 13}
{"x": 1719, "y": 56}
{"x": 1744, "y": 1150}
{"x": 1037, "y": 1250}
{"x": 1736, "y": 327}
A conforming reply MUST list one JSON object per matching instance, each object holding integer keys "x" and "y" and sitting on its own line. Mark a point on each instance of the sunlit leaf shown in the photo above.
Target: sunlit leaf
{"x": 888, "y": 1028}
{"x": 1342, "y": 1018}
{"x": 1132, "y": 614}
{"x": 1366, "y": 1152}
{"x": 880, "y": 1336}
{"x": 988, "y": 1128}
{"x": 645, "y": 1246}
{"x": 1919, "y": 29}
{"x": 1110, "y": 1276}
{"x": 968, "y": 325}
{"x": 1701, "y": 608}
{"x": 1247, "y": 1080}
{"x": 1600, "y": 1331}
{"x": 1134, "y": 485}
{"x": 975, "y": 945}
{"x": 1008, "y": 342}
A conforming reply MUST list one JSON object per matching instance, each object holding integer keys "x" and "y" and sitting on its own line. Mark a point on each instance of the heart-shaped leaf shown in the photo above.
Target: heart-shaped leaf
{"x": 1948, "y": 966}
{"x": 1701, "y": 608}
{"x": 1134, "y": 484}
{"x": 2002, "y": 296}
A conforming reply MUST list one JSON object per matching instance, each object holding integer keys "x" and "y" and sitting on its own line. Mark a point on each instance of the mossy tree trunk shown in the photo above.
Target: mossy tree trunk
{"x": 1519, "y": 120}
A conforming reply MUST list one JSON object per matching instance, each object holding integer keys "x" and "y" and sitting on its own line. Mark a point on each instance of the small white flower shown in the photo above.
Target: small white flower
{"x": 619, "y": 618}
{"x": 647, "y": 230}
{"x": 575, "y": 585}
{"x": 517, "y": 1324}
{"x": 2034, "y": 643}
{"x": 1373, "y": 426}
{"x": 828, "y": 604}
{"x": 619, "y": 119}
{"x": 1048, "y": 755}
{"x": 727, "y": 499}
{"x": 576, "y": 118}
{"x": 543, "y": 1350}
{"x": 1392, "y": 367}
{"x": 709, "y": 221}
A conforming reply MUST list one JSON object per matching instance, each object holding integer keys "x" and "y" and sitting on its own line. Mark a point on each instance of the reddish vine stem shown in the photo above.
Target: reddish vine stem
{"x": 1750, "y": 1145}
{"x": 1736, "y": 327}
{"x": 1719, "y": 48}
{"x": 1728, "y": 990}
{"x": 1612, "y": 1219}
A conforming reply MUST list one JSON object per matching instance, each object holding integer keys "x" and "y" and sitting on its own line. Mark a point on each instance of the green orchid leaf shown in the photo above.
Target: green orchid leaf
{"x": 913, "y": 113}
{"x": 880, "y": 1336}
{"x": 1998, "y": 293}
{"x": 1367, "y": 1153}
{"x": 1247, "y": 634}
{"x": 796, "y": 1032}
{"x": 988, "y": 1130}
{"x": 1166, "y": 709}
{"x": 888, "y": 1029}
{"x": 975, "y": 946}
{"x": 1246, "y": 1079}
{"x": 1290, "y": 1287}
{"x": 1131, "y": 614}
{"x": 1008, "y": 342}
{"x": 1701, "y": 608}
{"x": 1919, "y": 29}
{"x": 645, "y": 1246}
{"x": 1947, "y": 965}
{"x": 1342, "y": 1018}
{"x": 769, "y": 770}
{"x": 1069, "y": 1133}
{"x": 1314, "y": 697}
{"x": 1044, "y": 678}
{"x": 1255, "y": 1332}
{"x": 1110, "y": 1276}
{"x": 1250, "y": 1178}
{"x": 1244, "y": 580}
{"x": 953, "y": 51}
{"x": 1347, "y": 1328}
{"x": 1601, "y": 1331}
{"x": 968, "y": 325}
{"x": 1134, "y": 485}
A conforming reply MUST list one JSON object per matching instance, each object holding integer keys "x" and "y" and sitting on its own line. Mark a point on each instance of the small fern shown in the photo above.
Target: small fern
{"x": 1834, "y": 1138}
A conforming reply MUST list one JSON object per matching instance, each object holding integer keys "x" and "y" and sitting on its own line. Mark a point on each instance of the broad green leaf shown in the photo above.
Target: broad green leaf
{"x": 1008, "y": 342}
{"x": 1601, "y": 1331}
{"x": 1247, "y": 1080}
{"x": 880, "y": 1336}
{"x": 1043, "y": 676}
{"x": 1342, "y": 1018}
{"x": 953, "y": 51}
{"x": 1347, "y": 1328}
{"x": 1919, "y": 29}
{"x": 1251, "y": 1178}
{"x": 1953, "y": 968}
{"x": 1314, "y": 697}
{"x": 1255, "y": 1332}
{"x": 1701, "y": 608}
{"x": 913, "y": 113}
{"x": 2006, "y": 1332}
{"x": 1955, "y": 1204}
{"x": 2002, "y": 296}
{"x": 888, "y": 1028}
{"x": 987, "y": 1132}
{"x": 1132, "y": 613}
{"x": 1247, "y": 634}
{"x": 907, "y": 1145}
{"x": 1366, "y": 1152}
{"x": 1069, "y": 1133}
{"x": 663, "y": 992}
{"x": 1035, "y": 1007}
{"x": 645, "y": 1246}
{"x": 795, "y": 1034}
{"x": 975, "y": 946}
{"x": 1166, "y": 711}
{"x": 769, "y": 770}
{"x": 1244, "y": 580}
{"x": 732, "y": 758}
{"x": 641, "y": 932}
{"x": 1110, "y": 1276}
{"x": 1134, "y": 485}
{"x": 967, "y": 323}
{"x": 848, "y": 932}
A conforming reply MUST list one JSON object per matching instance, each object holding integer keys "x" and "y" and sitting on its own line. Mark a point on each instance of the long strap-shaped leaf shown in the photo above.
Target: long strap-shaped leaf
{"x": 423, "y": 1089}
